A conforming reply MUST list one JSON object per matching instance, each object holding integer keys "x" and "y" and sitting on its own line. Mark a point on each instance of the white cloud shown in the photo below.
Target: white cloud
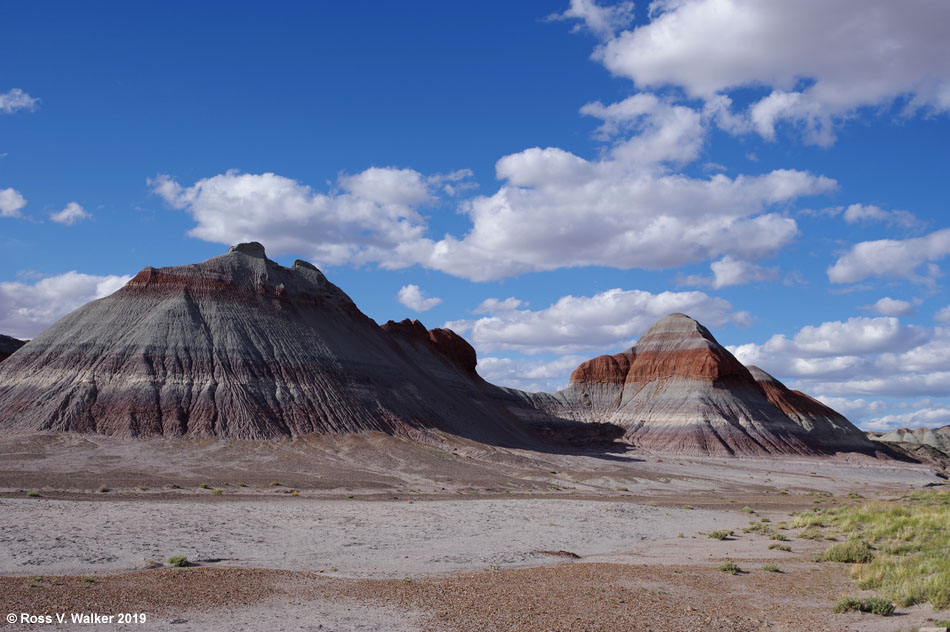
{"x": 70, "y": 215}
{"x": 546, "y": 376}
{"x": 11, "y": 201}
{"x": 868, "y": 212}
{"x": 367, "y": 220}
{"x": 731, "y": 271}
{"x": 888, "y": 306}
{"x": 15, "y": 100}
{"x": 943, "y": 315}
{"x": 820, "y": 61}
{"x": 664, "y": 132}
{"x": 602, "y": 323}
{"x": 559, "y": 210}
{"x": 555, "y": 210}
{"x": 26, "y": 309}
{"x": 924, "y": 418}
{"x": 900, "y": 258}
{"x": 414, "y": 298}
{"x": 602, "y": 21}
{"x": 490, "y": 305}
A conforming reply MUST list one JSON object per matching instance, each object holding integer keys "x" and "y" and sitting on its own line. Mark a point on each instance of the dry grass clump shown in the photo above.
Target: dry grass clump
{"x": 730, "y": 567}
{"x": 720, "y": 534}
{"x": 850, "y": 552}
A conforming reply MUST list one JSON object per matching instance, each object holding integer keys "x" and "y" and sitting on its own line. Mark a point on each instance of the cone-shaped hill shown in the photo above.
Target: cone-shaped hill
{"x": 678, "y": 390}
{"x": 239, "y": 346}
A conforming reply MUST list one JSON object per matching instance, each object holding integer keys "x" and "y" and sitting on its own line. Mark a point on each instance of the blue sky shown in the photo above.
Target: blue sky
{"x": 547, "y": 178}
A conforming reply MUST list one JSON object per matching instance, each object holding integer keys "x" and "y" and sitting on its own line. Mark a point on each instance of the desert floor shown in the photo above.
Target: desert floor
{"x": 378, "y": 533}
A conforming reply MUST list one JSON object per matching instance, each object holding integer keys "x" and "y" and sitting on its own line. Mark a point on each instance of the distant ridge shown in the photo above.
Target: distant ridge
{"x": 8, "y": 345}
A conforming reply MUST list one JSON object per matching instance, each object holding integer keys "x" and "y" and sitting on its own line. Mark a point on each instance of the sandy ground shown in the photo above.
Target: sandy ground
{"x": 376, "y": 533}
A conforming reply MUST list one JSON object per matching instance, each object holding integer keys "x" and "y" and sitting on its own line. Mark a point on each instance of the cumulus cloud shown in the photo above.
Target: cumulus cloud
{"x": 897, "y": 258}
{"x": 26, "y": 309}
{"x": 943, "y": 315}
{"x": 371, "y": 215}
{"x": 820, "y": 61}
{"x": 845, "y": 362}
{"x": 602, "y": 21}
{"x": 923, "y": 418}
{"x": 602, "y": 323}
{"x": 70, "y": 215}
{"x": 868, "y": 212}
{"x": 490, "y": 305}
{"x": 731, "y": 271}
{"x": 413, "y": 297}
{"x": 555, "y": 210}
{"x": 11, "y": 201}
{"x": 15, "y": 100}
{"x": 888, "y": 306}
{"x": 532, "y": 376}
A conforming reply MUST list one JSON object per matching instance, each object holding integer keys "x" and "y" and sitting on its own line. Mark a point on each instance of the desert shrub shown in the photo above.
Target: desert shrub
{"x": 204, "y": 486}
{"x": 217, "y": 492}
{"x": 178, "y": 560}
{"x": 780, "y": 547}
{"x": 850, "y": 552}
{"x": 874, "y": 605}
{"x": 747, "y": 509}
{"x": 730, "y": 567}
{"x": 721, "y": 534}
{"x": 33, "y": 494}
{"x": 779, "y": 536}
{"x": 772, "y": 568}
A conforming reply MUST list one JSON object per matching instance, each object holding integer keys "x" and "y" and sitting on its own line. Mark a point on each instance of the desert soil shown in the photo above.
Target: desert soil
{"x": 377, "y": 533}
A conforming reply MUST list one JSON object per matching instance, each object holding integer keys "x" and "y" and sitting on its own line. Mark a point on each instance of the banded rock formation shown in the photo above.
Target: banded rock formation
{"x": 8, "y": 345}
{"x": 679, "y": 391}
{"x": 239, "y": 346}
{"x": 937, "y": 438}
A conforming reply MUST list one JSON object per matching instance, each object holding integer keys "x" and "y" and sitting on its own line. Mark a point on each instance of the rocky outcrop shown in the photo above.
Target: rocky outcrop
{"x": 678, "y": 390}
{"x": 937, "y": 438}
{"x": 8, "y": 345}
{"x": 239, "y": 346}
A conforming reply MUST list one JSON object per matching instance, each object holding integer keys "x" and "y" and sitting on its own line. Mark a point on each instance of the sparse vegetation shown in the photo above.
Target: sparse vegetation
{"x": 33, "y": 494}
{"x": 780, "y": 547}
{"x": 274, "y": 484}
{"x": 747, "y": 509}
{"x": 772, "y": 568}
{"x": 178, "y": 560}
{"x": 89, "y": 580}
{"x": 242, "y": 484}
{"x": 909, "y": 537}
{"x": 204, "y": 486}
{"x": 621, "y": 489}
{"x": 688, "y": 507}
{"x": 217, "y": 492}
{"x": 103, "y": 489}
{"x": 779, "y": 536}
{"x": 297, "y": 493}
{"x": 730, "y": 567}
{"x": 721, "y": 534}
{"x": 874, "y": 605}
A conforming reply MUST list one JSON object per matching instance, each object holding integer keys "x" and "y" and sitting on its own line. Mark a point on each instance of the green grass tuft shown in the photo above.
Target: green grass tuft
{"x": 772, "y": 568}
{"x": 33, "y": 494}
{"x": 850, "y": 552}
{"x": 721, "y": 534}
{"x": 730, "y": 567}
{"x": 178, "y": 560}
{"x": 874, "y": 605}
{"x": 781, "y": 547}
{"x": 779, "y": 536}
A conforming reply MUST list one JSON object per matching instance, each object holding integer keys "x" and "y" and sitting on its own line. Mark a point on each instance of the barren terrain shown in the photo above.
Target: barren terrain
{"x": 371, "y": 532}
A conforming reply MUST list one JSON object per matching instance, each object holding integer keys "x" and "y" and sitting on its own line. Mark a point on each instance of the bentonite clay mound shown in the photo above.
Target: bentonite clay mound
{"x": 239, "y": 346}
{"x": 678, "y": 390}
{"x": 8, "y": 345}
{"x": 937, "y": 438}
